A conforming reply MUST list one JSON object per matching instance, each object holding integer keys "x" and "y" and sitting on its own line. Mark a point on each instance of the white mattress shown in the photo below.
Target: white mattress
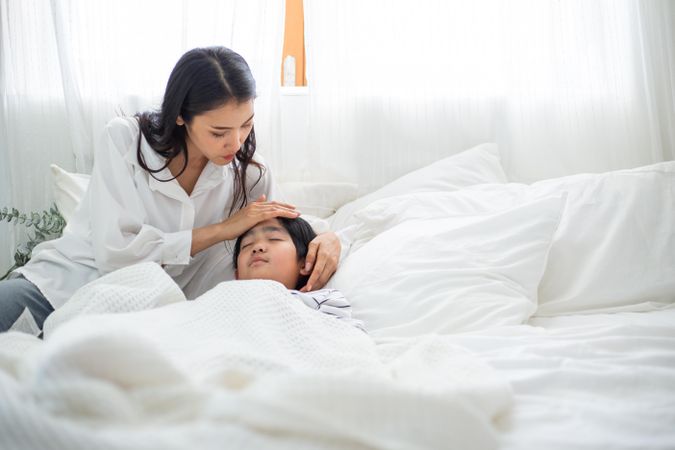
{"x": 595, "y": 381}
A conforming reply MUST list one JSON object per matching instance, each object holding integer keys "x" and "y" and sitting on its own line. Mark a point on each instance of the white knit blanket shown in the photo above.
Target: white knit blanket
{"x": 129, "y": 364}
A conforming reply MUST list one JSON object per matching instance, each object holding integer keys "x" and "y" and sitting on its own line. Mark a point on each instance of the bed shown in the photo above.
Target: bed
{"x": 499, "y": 315}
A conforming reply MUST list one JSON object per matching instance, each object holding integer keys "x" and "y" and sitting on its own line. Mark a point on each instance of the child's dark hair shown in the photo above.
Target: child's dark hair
{"x": 301, "y": 233}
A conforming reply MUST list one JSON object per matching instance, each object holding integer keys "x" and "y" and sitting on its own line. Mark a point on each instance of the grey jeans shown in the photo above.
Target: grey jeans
{"x": 18, "y": 298}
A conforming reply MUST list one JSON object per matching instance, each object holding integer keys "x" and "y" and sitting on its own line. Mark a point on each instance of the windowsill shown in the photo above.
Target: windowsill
{"x": 294, "y": 90}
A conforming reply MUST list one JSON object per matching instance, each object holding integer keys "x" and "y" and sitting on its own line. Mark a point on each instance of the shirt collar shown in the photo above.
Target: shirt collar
{"x": 211, "y": 176}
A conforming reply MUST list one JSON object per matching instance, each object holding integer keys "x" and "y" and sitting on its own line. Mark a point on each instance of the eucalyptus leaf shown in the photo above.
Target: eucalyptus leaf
{"x": 45, "y": 225}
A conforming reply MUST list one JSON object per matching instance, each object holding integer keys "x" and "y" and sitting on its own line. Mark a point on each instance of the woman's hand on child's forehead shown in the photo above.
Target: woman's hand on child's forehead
{"x": 252, "y": 215}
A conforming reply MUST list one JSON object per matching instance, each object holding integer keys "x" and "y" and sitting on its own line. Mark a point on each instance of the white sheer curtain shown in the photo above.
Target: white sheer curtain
{"x": 562, "y": 86}
{"x": 68, "y": 66}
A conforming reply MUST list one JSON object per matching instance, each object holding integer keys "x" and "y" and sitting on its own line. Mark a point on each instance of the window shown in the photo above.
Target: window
{"x": 294, "y": 45}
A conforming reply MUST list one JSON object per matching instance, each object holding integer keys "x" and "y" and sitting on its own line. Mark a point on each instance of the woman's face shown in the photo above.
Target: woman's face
{"x": 218, "y": 134}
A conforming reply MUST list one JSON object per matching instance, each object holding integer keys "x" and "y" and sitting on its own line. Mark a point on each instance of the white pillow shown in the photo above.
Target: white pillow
{"x": 615, "y": 247}
{"x": 69, "y": 189}
{"x": 386, "y": 213}
{"x": 318, "y": 199}
{"x": 477, "y": 165}
{"x": 448, "y": 275}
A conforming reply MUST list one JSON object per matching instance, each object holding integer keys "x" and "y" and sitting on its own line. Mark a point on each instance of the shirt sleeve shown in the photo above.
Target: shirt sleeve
{"x": 120, "y": 236}
{"x": 331, "y": 302}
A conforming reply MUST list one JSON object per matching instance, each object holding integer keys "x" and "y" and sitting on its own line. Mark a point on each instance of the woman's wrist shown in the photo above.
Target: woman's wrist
{"x": 224, "y": 231}
{"x": 205, "y": 237}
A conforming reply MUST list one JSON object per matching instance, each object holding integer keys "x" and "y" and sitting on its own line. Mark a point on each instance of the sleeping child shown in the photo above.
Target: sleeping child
{"x": 275, "y": 249}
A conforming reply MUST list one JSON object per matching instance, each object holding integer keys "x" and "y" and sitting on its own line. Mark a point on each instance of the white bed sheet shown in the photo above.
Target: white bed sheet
{"x": 601, "y": 381}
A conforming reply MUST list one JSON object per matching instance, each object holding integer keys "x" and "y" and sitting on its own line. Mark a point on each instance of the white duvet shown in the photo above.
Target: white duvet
{"x": 244, "y": 366}
{"x": 596, "y": 381}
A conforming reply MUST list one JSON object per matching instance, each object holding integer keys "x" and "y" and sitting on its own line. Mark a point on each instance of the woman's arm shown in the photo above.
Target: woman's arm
{"x": 118, "y": 210}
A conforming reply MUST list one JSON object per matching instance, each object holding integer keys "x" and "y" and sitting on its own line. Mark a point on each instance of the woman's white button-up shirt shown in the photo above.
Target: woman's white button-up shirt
{"x": 127, "y": 216}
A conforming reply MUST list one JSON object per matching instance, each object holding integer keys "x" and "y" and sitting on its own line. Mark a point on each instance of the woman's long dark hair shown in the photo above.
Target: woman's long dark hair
{"x": 202, "y": 80}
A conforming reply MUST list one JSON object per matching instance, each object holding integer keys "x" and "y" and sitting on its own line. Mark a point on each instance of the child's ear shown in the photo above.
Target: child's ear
{"x": 301, "y": 267}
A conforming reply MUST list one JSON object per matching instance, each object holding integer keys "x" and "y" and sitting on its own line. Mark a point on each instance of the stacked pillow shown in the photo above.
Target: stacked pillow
{"x": 450, "y": 274}
{"x": 615, "y": 248}
{"x": 465, "y": 258}
{"x": 477, "y": 165}
{"x": 69, "y": 189}
{"x": 318, "y": 199}
{"x": 314, "y": 199}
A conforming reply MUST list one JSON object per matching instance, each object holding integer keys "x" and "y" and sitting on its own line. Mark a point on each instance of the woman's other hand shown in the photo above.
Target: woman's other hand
{"x": 323, "y": 255}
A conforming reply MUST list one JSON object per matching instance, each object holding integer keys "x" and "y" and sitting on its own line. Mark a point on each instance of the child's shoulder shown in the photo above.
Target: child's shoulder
{"x": 319, "y": 293}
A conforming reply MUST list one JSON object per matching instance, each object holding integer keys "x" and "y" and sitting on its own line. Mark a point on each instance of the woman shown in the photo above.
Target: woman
{"x": 171, "y": 186}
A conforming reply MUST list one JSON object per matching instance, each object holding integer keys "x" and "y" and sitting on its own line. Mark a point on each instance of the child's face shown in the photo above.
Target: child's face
{"x": 267, "y": 252}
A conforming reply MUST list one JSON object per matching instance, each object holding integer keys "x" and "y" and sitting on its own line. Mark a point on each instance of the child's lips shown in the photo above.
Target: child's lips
{"x": 257, "y": 262}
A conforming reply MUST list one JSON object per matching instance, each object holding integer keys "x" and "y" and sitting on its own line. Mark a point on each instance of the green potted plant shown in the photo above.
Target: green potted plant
{"x": 41, "y": 226}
